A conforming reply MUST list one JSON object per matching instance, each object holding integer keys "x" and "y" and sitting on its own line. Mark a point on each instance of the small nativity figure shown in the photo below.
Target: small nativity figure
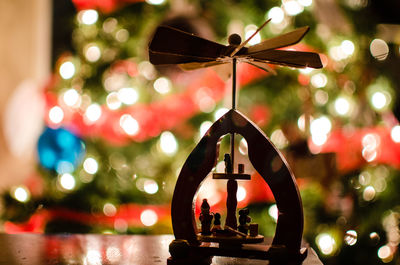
{"x": 205, "y": 218}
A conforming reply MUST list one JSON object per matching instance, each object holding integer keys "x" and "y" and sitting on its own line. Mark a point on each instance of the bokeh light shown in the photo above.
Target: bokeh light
{"x": 148, "y": 217}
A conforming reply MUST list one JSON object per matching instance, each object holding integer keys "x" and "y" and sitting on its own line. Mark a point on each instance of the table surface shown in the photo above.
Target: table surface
{"x": 89, "y": 249}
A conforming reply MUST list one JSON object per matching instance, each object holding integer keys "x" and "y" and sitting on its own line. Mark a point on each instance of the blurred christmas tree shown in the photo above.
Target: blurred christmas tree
{"x": 119, "y": 129}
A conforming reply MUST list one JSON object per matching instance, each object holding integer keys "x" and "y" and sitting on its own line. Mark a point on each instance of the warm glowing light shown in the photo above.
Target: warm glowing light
{"x": 342, "y": 106}
{"x": 241, "y": 194}
{"x": 67, "y": 70}
{"x": 326, "y": 243}
{"x": 90, "y": 165}
{"x": 121, "y": 225}
{"x": 379, "y": 49}
{"x": 321, "y": 97}
{"x": 347, "y": 47}
{"x": 155, "y": 2}
{"x": 305, "y": 2}
{"x": 204, "y": 127}
{"x": 88, "y": 17}
{"x": 292, "y": 7}
{"x": 147, "y": 70}
{"x": 279, "y": 139}
{"x": 350, "y": 237}
{"x": 113, "y": 101}
{"x": 149, "y": 217}
{"x": 122, "y": 35}
{"x": 93, "y": 113}
{"x": 220, "y": 112}
{"x": 273, "y": 212}
{"x": 109, "y": 209}
{"x": 321, "y": 125}
{"x": 168, "y": 143}
{"x": 379, "y": 100}
{"x": 67, "y": 181}
{"x": 71, "y": 97}
{"x": 369, "y": 193}
{"x": 319, "y": 80}
{"x": 385, "y": 253}
{"x": 276, "y": 15}
{"x": 395, "y": 134}
{"x": 128, "y": 95}
{"x": 370, "y": 144}
{"x": 21, "y": 194}
{"x": 150, "y": 186}
{"x": 129, "y": 124}
{"x": 56, "y": 114}
{"x": 306, "y": 70}
{"x": 243, "y": 147}
{"x": 92, "y": 53}
{"x": 320, "y": 128}
{"x": 250, "y": 30}
{"x": 162, "y": 85}
{"x": 93, "y": 257}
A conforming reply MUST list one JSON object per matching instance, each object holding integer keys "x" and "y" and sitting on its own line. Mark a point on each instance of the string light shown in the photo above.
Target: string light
{"x": 326, "y": 243}
{"x": 350, "y": 238}
{"x": 67, "y": 70}
{"x": 319, "y": 80}
{"x": 113, "y": 101}
{"x": 276, "y": 15}
{"x": 67, "y": 181}
{"x": 379, "y": 49}
{"x": 380, "y": 100}
{"x": 220, "y": 112}
{"x": 92, "y": 113}
{"x": 395, "y": 134}
{"x": 92, "y": 53}
{"x": 342, "y": 106}
{"x": 168, "y": 143}
{"x": 385, "y": 253}
{"x": 150, "y": 186}
{"x": 155, "y": 2}
{"x": 56, "y": 114}
{"x": 250, "y": 30}
{"x": 88, "y": 17}
{"x": 109, "y": 209}
{"x": 369, "y": 193}
{"x": 347, "y": 47}
{"x": 129, "y": 124}
{"x": 148, "y": 217}
{"x": 370, "y": 143}
{"x": 241, "y": 194}
{"x": 71, "y": 97}
{"x": 273, "y": 212}
{"x": 90, "y": 165}
{"x": 122, "y": 35}
{"x": 147, "y": 70}
{"x": 320, "y": 128}
{"x": 305, "y": 2}
{"x": 279, "y": 139}
{"x": 128, "y": 95}
{"x": 21, "y": 194}
{"x": 162, "y": 85}
{"x": 292, "y": 7}
{"x": 321, "y": 97}
{"x": 204, "y": 127}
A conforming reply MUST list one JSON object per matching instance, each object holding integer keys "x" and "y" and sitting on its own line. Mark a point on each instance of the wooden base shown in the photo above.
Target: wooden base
{"x": 231, "y": 240}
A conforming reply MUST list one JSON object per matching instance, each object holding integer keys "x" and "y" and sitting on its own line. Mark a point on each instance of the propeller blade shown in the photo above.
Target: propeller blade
{"x": 159, "y": 58}
{"x": 249, "y": 38}
{"x": 169, "y": 40}
{"x": 263, "y": 66}
{"x": 198, "y": 65}
{"x": 290, "y": 58}
{"x": 283, "y": 40}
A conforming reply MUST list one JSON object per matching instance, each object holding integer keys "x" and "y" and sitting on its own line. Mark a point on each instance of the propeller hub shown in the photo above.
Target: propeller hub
{"x": 234, "y": 39}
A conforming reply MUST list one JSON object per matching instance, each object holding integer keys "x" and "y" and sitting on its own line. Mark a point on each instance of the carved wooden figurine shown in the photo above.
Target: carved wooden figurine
{"x": 244, "y": 218}
{"x": 205, "y": 218}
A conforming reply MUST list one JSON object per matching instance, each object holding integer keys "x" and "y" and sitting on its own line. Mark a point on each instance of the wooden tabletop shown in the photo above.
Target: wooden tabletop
{"x": 37, "y": 249}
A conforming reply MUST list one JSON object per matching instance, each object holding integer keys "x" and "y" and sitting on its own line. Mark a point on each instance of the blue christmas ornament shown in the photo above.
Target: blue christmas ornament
{"x": 60, "y": 150}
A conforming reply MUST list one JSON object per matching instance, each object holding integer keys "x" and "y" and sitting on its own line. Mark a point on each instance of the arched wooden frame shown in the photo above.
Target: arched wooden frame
{"x": 265, "y": 158}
